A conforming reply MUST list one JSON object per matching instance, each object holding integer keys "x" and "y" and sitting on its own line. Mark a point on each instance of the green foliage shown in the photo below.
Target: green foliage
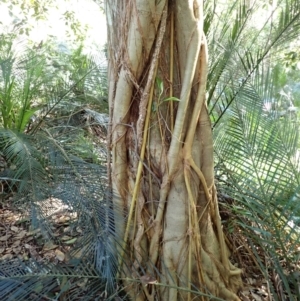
{"x": 160, "y": 91}
{"x": 238, "y": 49}
{"x": 256, "y": 133}
{"x": 87, "y": 78}
{"x": 41, "y": 80}
{"x": 258, "y": 166}
{"x": 21, "y": 81}
{"x": 50, "y": 155}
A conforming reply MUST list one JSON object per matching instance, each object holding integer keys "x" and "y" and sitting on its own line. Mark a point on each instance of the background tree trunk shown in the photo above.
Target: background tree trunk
{"x": 165, "y": 200}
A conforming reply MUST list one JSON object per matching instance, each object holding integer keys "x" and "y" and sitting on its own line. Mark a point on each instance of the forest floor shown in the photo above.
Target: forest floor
{"x": 18, "y": 241}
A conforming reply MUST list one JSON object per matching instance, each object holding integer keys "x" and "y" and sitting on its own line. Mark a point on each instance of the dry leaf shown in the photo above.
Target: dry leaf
{"x": 244, "y": 295}
{"x": 147, "y": 279}
{"x": 7, "y": 256}
{"x": 256, "y": 297}
{"x": 16, "y": 243}
{"x": 60, "y": 255}
{"x": 36, "y": 231}
{"x": 49, "y": 246}
{"x": 5, "y": 237}
{"x": 49, "y": 255}
{"x": 33, "y": 253}
{"x": 67, "y": 229}
{"x": 66, "y": 237}
{"x": 14, "y": 228}
{"x": 17, "y": 250}
{"x": 28, "y": 239}
{"x": 244, "y": 298}
{"x": 251, "y": 281}
{"x": 21, "y": 234}
{"x": 62, "y": 219}
{"x": 82, "y": 282}
{"x": 78, "y": 229}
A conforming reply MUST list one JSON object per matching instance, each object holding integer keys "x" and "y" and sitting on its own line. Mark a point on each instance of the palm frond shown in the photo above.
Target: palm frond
{"x": 49, "y": 179}
{"x": 41, "y": 281}
{"x": 240, "y": 48}
{"x": 256, "y": 155}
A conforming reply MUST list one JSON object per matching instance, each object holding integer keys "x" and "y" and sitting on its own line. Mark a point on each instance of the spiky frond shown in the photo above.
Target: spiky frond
{"x": 52, "y": 169}
{"x": 257, "y": 158}
{"x": 45, "y": 174}
{"x": 240, "y": 47}
{"x": 41, "y": 281}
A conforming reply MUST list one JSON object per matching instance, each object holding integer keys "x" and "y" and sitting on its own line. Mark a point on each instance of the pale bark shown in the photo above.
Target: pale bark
{"x": 162, "y": 172}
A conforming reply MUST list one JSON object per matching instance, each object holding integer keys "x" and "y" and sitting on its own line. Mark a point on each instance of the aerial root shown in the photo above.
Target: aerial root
{"x": 219, "y": 281}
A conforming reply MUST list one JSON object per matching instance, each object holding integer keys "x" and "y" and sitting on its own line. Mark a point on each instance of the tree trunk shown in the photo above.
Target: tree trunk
{"x": 165, "y": 201}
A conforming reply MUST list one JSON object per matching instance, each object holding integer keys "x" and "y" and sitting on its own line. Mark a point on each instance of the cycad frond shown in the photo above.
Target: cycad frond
{"x": 256, "y": 154}
{"x": 45, "y": 174}
{"x": 239, "y": 48}
{"x": 41, "y": 281}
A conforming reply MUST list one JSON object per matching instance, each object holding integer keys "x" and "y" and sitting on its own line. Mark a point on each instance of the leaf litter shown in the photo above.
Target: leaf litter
{"x": 18, "y": 241}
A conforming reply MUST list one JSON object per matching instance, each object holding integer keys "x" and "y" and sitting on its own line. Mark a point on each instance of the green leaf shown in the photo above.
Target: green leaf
{"x": 25, "y": 119}
{"x": 160, "y": 85}
{"x": 71, "y": 241}
{"x": 172, "y": 98}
